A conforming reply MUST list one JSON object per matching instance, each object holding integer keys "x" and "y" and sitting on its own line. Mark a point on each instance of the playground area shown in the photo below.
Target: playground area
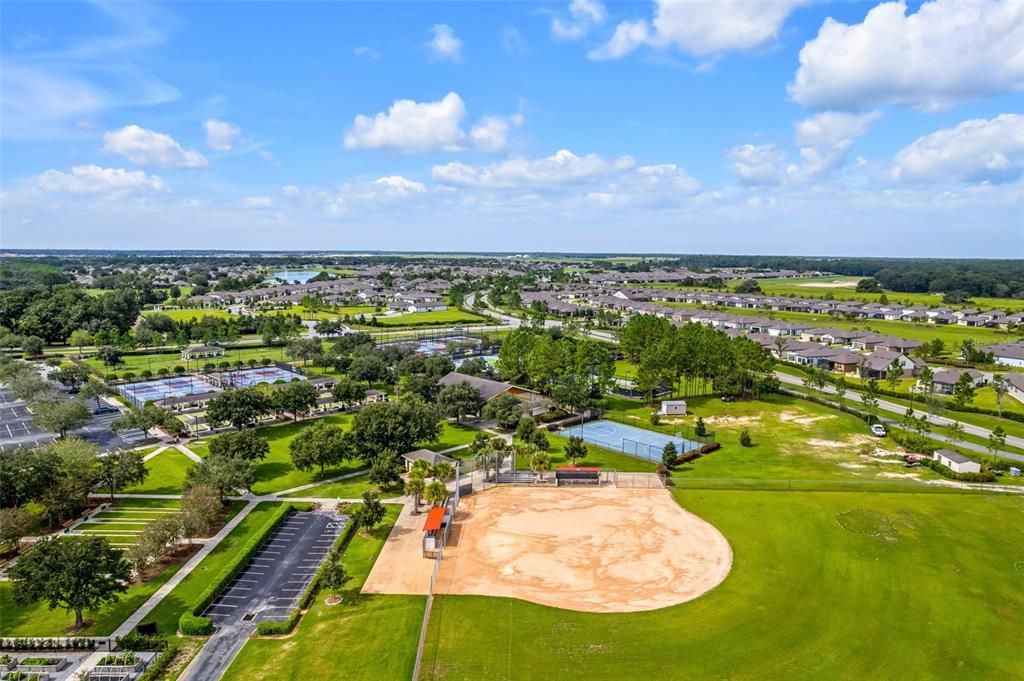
{"x": 638, "y": 442}
{"x": 593, "y": 549}
{"x": 162, "y": 388}
{"x": 246, "y": 378}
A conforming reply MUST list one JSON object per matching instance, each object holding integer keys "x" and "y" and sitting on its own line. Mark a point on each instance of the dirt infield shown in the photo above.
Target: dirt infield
{"x": 587, "y": 549}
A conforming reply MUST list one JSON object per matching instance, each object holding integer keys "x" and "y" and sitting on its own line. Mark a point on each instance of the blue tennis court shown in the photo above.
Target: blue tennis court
{"x": 246, "y": 378}
{"x": 162, "y": 388}
{"x": 638, "y": 442}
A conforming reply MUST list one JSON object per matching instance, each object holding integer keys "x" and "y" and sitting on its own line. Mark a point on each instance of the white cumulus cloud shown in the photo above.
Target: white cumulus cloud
{"x": 583, "y": 15}
{"x": 757, "y": 164}
{"x": 976, "y": 150}
{"x": 825, "y": 139}
{"x": 148, "y": 148}
{"x": 418, "y": 127}
{"x": 698, "y": 29}
{"x": 949, "y": 51}
{"x": 221, "y": 135}
{"x": 92, "y": 179}
{"x": 445, "y": 44}
{"x": 562, "y": 167}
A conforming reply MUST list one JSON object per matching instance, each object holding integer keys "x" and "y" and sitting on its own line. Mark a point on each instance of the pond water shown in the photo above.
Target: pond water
{"x": 293, "y": 276}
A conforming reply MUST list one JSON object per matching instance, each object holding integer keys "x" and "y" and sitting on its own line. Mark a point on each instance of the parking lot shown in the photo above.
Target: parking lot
{"x": 273, "y": 581}
{"x": 268, "y": 587}
{"x": 16, "y": 429}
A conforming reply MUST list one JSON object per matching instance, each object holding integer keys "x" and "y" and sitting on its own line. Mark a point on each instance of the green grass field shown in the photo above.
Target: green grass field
{"x": 185, "y": 314}
{"x": 350, "y": 488}
{"x": 276, "y": 472}
{"x": 824, "y": 585}
{"x": 952, "y": 336}
{"x": 36, "y": 619}
{"x": 818, "y": 287}
{"x": 166, "y": 614}
{"x": 452, "y": 435}
{"x": 168, "y": 360}
{"x": 363, "y": 638}
{"x": 167, "y": 472}
{"x": 451, "y": 316}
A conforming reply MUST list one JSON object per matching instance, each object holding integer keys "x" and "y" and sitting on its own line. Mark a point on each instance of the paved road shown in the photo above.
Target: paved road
{"x": 267, "y": 589}
{"x": 894, "y": 408}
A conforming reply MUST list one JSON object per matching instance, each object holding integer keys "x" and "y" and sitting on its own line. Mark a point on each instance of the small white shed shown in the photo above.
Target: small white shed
{"x": 673, "y": 408}
{"x": 956, "y": 461}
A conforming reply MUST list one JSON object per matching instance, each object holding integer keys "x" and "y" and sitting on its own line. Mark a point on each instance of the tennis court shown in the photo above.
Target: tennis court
{"x": 162, "y": 388}
{"x": 246, "y": 378}
{"x": 434, "y": 346}
{"x": 638, "y": 442}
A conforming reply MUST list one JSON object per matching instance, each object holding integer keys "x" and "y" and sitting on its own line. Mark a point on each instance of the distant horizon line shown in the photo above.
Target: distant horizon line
{"x": 179, "y": 252}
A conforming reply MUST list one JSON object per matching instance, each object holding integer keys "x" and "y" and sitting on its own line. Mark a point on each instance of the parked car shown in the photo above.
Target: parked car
{"x": 106, "y": 409}
{"x": 879, "y": 430}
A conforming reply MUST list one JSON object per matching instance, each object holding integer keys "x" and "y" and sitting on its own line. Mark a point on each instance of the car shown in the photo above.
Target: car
{"x": 879, "y": 430}
{"x": 106, "y": 409}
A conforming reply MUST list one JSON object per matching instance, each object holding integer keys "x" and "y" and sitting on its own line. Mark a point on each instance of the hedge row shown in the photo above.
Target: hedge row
{"x": 946, "y": 404}
{"x": 191, "y": 621}
{"x": 278, "y": 627}
{"x": 161, "y": 662}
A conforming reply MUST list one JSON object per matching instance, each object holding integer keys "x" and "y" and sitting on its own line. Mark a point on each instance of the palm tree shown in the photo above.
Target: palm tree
{"x": 483, "y": 460}
{"x": 414, "y": 487}
{"x": 539, "y": 462}
{"x": 420, "y": 467}
{"x": 444, "y": 471}
{"x": 436, "y": 493}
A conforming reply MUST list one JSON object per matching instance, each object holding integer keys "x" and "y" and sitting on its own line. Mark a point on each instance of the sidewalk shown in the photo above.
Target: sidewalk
{"x": 136, "y": 618}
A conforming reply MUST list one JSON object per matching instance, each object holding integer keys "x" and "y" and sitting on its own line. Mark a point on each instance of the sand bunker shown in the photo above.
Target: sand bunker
{"x": 592, "y": 550}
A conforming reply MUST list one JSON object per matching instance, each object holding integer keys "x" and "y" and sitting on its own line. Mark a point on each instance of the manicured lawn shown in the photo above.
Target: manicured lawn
{"x": 439, "y": 318}
{"x": 37, "y": 620}
{"x": 167, "y": 472}
{"x": 952, "y": 336}
{"x": 452, "y": 435}
{"x": 350, "y": 488}
{"x": 793, "y": 439}
{"x": 155, "y": 361}
{"x": 827, "y": 585}
{"x": 364, "y": 638}
{"x": 185, "y": 314}
{"x": 166, "y": 614}
{"x": 333, "y": 312}
{"x": 276, "y": 472}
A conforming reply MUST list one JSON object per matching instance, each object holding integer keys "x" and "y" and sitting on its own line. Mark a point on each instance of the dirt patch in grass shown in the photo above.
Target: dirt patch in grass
{"x": 847, "y": 464}
{"x": 867, "y": 522}
{"x": 828, "y": 444}
{"x": 802, "y": 420}
{"x": 900, "y": 476}
{"x": 732, "y": 420}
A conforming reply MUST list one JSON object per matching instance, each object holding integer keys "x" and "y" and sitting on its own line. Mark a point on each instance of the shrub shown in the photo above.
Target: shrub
{"x": 745, "y": 438}
{"x": 155, "y": 670}
{"x": 709, "y": 447}
{"x": 135, "y": 641}
{"x": 699, "y": 429}
{"x": 179, "y": 370}
{"x": 128, "y": 375}
{"x": 192, "y": 625}
{"x": 146, "y": 373}
{"x": 162, "y": 371}
{"x": 232, "y": 569}
{"x": 655, "y": 418}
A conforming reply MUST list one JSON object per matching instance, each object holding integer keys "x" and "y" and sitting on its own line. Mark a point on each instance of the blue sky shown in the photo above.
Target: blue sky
{"x": 791, "y": 126}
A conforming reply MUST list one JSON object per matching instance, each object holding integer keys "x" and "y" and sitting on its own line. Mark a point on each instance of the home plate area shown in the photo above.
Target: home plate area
{"x": 274, "y": 579}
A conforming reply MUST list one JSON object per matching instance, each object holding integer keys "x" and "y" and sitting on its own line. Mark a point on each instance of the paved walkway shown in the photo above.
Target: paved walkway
{"x": 189, "y": 453}
{"x": 300, "y": 488}
{"x": 136, "y": 617}
{"x": 155, "y": 452}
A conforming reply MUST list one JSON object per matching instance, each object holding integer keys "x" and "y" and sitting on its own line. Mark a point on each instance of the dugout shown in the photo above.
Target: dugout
{"x": 570, "y": 475}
